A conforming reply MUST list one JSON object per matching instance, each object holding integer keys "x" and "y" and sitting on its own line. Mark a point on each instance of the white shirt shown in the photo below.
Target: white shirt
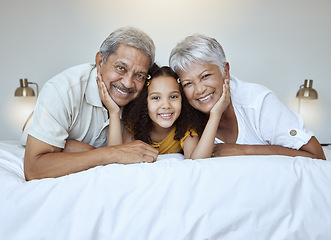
{"x": 69, "y": 107}
{"x": 263, "y": 119}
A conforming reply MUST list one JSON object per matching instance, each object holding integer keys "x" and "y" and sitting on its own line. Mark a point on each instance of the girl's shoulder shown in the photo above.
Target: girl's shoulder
{"x": 189, "y": 132}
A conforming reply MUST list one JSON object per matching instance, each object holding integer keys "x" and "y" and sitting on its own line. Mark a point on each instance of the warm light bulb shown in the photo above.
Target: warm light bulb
{"x": 310, "y": 110}
{"x": 19, "y": 110}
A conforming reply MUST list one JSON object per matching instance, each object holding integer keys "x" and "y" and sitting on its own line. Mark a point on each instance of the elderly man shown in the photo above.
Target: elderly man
{"x": 70, "y": 108}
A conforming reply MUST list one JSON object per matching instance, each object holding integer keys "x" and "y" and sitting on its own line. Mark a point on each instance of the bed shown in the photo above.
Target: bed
{"x": 246, "y": 197}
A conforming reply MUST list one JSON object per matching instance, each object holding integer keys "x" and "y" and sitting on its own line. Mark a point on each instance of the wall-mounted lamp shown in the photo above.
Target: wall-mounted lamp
{"x": 21, "y": 107}
{"x": 24, "y": 90}
{"x": 307, "y": 91}
{"x": 308, "y": 105}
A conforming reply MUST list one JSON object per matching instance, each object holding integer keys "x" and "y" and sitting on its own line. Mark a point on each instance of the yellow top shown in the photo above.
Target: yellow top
{"x": 170, "y": 145}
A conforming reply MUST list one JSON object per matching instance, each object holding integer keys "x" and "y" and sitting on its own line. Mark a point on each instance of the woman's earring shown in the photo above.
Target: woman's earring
{"x": 178, "y": 80}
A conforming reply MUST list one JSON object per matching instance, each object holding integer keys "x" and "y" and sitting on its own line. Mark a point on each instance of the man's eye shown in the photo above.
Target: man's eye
{"x": 120, "y": 68}
{"x": 140, "y": 77}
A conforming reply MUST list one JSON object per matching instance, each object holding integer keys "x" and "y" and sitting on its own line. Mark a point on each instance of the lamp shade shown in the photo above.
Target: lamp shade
{"x": 24, "y": 90}
{"x": 308, "y": 105}
{"x": 307, "y": 91}
{"x": 19, "y": 111}
{"x": 21, "y": 107}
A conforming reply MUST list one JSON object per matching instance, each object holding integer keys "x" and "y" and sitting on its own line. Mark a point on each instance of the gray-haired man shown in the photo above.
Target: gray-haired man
{"x": 69, "y": 108}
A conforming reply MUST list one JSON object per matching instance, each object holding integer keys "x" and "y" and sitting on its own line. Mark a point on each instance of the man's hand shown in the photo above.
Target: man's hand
{"x": 106, "y": 98}
{"x": 133, "y": 152}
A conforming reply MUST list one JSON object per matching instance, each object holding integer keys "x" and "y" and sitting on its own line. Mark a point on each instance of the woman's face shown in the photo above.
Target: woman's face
{"x": 164, "y": 101}
{"x": 203, "y": 85}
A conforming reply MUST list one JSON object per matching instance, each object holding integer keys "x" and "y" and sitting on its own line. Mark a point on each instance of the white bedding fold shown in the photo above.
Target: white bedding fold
{"x": 247, "y": 197}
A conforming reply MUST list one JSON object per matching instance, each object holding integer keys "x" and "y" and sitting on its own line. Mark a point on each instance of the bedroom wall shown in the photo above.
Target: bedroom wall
{"x": 277, "y": 43}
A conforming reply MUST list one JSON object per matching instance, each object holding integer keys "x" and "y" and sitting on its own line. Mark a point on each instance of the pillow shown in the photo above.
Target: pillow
{"x": 327, "y": 152}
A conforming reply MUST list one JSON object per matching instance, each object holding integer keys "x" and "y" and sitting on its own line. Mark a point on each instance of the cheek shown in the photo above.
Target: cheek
{"x": 139, "y": 86}
{"x": 179, "y": 105}
{"x": 189, "y": 92}
{"x": 108, "y": 77}
{"x": 189, "y": 95}
{"x": 150, "y": 108}
{"x": 217, "y": 85}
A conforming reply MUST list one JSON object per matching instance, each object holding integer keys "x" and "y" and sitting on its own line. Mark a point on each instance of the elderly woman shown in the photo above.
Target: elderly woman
{"x": 255, "y": 122}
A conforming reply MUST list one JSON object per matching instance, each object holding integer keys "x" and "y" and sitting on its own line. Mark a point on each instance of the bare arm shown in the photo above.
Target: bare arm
{"x": 312, "y": 149}
{"x": 42, "y": 160}
{"x": 76, "y": 146}
{"x": 115, "y": 132}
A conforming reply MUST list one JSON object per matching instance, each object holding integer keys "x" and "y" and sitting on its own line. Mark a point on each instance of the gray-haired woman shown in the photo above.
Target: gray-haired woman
{"x": 255, "y": 122}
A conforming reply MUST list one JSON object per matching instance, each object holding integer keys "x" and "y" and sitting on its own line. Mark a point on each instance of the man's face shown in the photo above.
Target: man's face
{"x": 124, "y": 73}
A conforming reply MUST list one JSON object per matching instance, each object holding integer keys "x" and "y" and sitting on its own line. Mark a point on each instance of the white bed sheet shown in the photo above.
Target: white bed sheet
{"x": 247, "y": 197}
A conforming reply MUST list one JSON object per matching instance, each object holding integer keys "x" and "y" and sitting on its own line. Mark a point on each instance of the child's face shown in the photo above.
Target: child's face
{"x": 164, "y": 101}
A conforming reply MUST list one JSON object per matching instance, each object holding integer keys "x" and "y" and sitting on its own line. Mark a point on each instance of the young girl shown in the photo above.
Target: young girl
{"x": 162, "y": 117}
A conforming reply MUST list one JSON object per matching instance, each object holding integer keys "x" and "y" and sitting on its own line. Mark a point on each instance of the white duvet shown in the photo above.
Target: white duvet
{"x": 247, "y": 197}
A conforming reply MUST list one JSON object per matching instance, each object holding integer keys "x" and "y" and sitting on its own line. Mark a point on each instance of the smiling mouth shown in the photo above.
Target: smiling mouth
{"x": 165, "y": 115}
{"x": 123, "y": 90}
{"x": 205, "y": 98}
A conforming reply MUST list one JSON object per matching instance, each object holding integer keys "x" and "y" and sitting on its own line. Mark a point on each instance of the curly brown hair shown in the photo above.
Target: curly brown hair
{"x": 135, "y": 114}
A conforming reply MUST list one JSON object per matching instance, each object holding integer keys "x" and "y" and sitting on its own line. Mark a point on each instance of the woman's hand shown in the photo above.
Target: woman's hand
{"x": 106, "y": 98}
{"x": 204, "y": 147}
{"x": 224, "y": 100}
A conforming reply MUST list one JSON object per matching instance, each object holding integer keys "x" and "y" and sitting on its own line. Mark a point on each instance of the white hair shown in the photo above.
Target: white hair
{"x": 197, "y": 49}
{"x": 129, "y": 36}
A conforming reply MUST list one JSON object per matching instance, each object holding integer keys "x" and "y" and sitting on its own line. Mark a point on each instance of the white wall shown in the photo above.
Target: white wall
{"x": 277, "y": 43}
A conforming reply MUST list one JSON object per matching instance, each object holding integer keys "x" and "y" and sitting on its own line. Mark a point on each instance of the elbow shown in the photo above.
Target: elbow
{"x": 321, "y": 156}
{"x": 28, "y": 177}
{"x": 30, "y": 172}
{"x": 314, "y": 148}
{"x": 318, "y": 155}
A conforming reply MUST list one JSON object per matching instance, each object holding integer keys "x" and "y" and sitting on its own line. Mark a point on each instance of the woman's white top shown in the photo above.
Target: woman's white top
{"x": 263, "y": 119}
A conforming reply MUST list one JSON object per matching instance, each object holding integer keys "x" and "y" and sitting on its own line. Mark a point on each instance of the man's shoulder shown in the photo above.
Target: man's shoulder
{"x": 71, "y": 83}
{"x": 73, "y": 75}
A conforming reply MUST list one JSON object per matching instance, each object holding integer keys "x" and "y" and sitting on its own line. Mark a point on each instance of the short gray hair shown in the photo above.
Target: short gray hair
{"x": 197, "y": 49}
{"x": 129, "y": 36}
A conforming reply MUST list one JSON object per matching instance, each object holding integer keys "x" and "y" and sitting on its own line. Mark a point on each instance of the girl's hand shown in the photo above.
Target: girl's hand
{"x": 106, "y": 98}
{"x": 224, "y": 100}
